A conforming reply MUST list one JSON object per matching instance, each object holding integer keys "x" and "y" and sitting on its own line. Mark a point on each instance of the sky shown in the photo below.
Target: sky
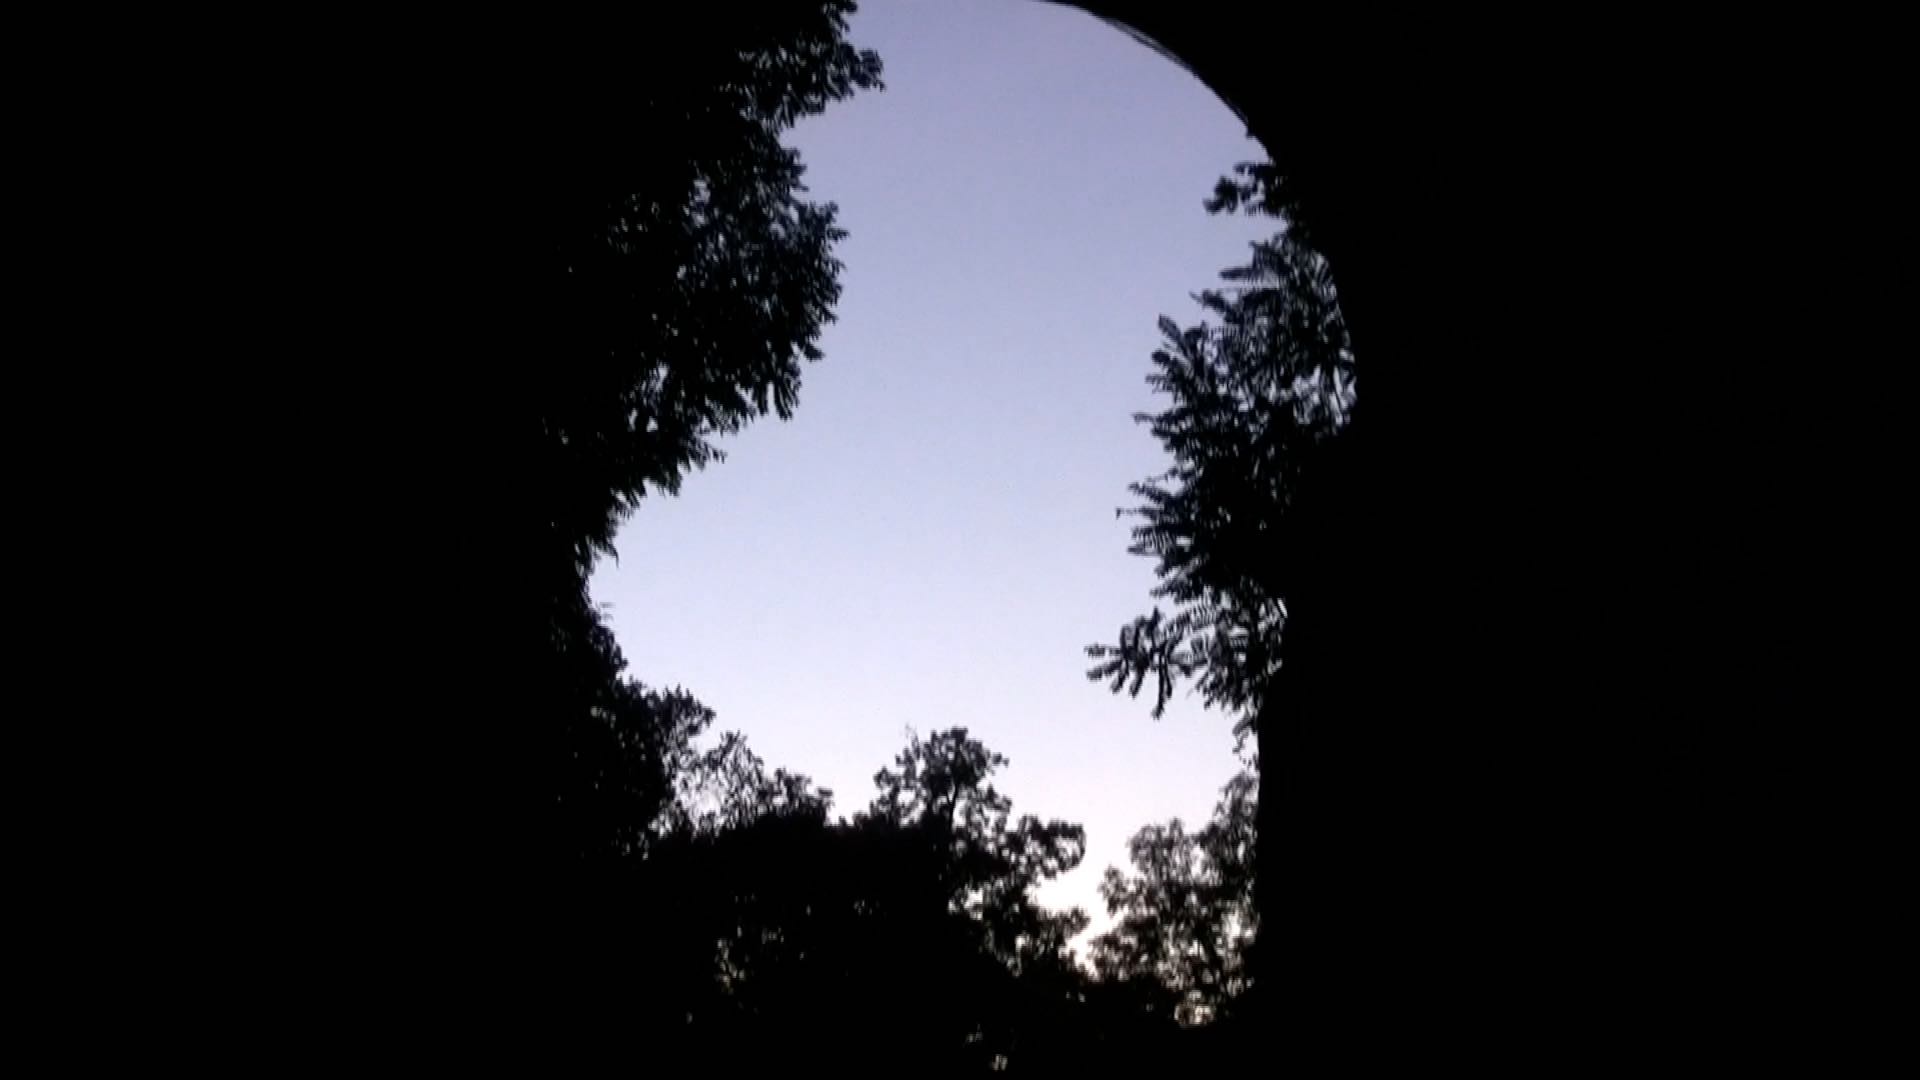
{"x": 931, "y": 541}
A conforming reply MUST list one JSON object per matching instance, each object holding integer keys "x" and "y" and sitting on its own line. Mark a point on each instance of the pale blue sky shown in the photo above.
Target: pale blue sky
{"x": 931, "y": 541}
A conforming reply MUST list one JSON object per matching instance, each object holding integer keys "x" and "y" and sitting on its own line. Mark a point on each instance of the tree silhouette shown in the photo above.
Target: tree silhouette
{"x": 990, "y": 861}
{"x": 728, "y": 786}
{"x": 684, "y": 295}
{"x": 1186, "y": 914}
{"x": 627, "y": 746}
{"x": 681, "y": 286}
{"x": 771, "y": 937}
{"x": 1260, "y": 394}
{"x": 1255, "y": 393}
{"x": 758, "y": 934}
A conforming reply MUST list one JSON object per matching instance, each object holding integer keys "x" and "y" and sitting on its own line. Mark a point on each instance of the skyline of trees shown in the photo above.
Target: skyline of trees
{"x": 931, "y": 890}
{"x": 738, "y": 911}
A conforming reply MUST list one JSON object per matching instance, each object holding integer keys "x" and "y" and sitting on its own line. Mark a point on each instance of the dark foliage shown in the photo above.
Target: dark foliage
{"x": 909, "y": 930}
{"x": 728, "y": 786}
{"x": 1260, "y": 394}
{"x": 990, "y": 861}
{"x": 679, "y": 295}
{"x": 736, "y": 925}
{"x": 739, "y": 925}
{"x": 1186, "y": 915}
{"x": 1510, "y": 837}
{"x": 1255, "y": 392}
{"x": 684, "y": 294}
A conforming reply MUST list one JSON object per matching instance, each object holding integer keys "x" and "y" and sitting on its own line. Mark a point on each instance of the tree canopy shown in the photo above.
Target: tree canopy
{"x": 914, "y": 922}
{"x": 991, "y": 861}
{"x": 1186, "y": 920}
{"x": 1254, "y": 390}
{"x": 683, "y": 283}
{"x": 688, "y": 281}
